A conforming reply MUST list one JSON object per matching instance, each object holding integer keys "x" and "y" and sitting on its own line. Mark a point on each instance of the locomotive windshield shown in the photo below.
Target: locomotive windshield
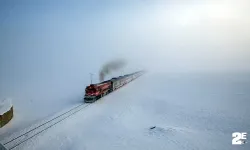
{"x": 90, "y": 90}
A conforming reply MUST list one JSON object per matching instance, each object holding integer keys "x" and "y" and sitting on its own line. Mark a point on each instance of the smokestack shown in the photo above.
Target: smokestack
{"x": 110, "y": 67}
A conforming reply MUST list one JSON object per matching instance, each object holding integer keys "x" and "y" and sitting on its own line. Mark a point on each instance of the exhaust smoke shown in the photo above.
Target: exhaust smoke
{"x": 110, "y": 67}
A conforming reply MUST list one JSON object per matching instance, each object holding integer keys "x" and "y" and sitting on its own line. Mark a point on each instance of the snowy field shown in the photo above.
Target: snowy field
{"x": 51, "y": 50}
{"x": 189, "y": 112}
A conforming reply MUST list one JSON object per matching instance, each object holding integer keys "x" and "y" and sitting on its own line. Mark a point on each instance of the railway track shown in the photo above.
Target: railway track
{"x": 21, "y": 137}
{"x": 24, "y": 136}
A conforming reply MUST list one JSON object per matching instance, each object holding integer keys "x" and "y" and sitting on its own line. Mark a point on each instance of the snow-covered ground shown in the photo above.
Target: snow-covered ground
{"x": 189, "y": 111}
{"x": 31, "y": 104}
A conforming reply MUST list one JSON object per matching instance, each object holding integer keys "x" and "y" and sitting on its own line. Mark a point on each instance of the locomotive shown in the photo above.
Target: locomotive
{"x": 96, "y": 91}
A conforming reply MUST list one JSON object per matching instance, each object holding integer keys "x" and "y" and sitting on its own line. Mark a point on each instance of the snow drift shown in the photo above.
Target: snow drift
{"x": 5, "y": 105}
{"x": 6, "y": 111}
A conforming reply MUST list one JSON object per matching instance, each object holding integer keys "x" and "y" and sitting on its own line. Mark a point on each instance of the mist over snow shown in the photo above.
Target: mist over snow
{"x": 157, "y": 111}
{"x": 49, "y": 48}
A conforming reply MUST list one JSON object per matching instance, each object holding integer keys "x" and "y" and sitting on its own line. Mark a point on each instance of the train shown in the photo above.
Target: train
{"x": 96, "y": 91}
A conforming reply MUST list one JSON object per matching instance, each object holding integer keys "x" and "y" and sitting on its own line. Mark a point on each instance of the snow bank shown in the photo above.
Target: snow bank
{"x": 6, "y": 112}
{"x": 5, "y": 105}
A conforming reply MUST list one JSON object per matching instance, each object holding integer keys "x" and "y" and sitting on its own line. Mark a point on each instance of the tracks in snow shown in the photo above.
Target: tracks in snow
{"x": 18, "y": 138}
{"x": 11, "y": 143}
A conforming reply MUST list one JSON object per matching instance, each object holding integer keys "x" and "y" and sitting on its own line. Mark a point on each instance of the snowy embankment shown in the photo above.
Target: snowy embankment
{"x": 6, "y": 112}
{"x": 157, "y": 112}
{"x": 5, "y": 105}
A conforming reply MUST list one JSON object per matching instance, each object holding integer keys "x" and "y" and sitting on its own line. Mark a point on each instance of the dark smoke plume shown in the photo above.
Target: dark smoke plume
{"x": 110, "y": 67}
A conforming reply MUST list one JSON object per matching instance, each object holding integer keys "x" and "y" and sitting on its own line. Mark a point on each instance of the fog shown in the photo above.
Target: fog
{"x": 48, "y": 48}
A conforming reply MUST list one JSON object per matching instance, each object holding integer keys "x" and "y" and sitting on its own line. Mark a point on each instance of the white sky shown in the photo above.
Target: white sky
{"x": 48, "y": 39}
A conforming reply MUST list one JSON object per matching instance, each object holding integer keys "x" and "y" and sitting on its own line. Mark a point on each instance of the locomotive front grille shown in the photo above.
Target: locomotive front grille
{"x": 89, "y": 98}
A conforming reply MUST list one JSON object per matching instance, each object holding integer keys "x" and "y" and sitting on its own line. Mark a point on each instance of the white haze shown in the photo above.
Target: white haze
{"x": 48, "y": 48}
